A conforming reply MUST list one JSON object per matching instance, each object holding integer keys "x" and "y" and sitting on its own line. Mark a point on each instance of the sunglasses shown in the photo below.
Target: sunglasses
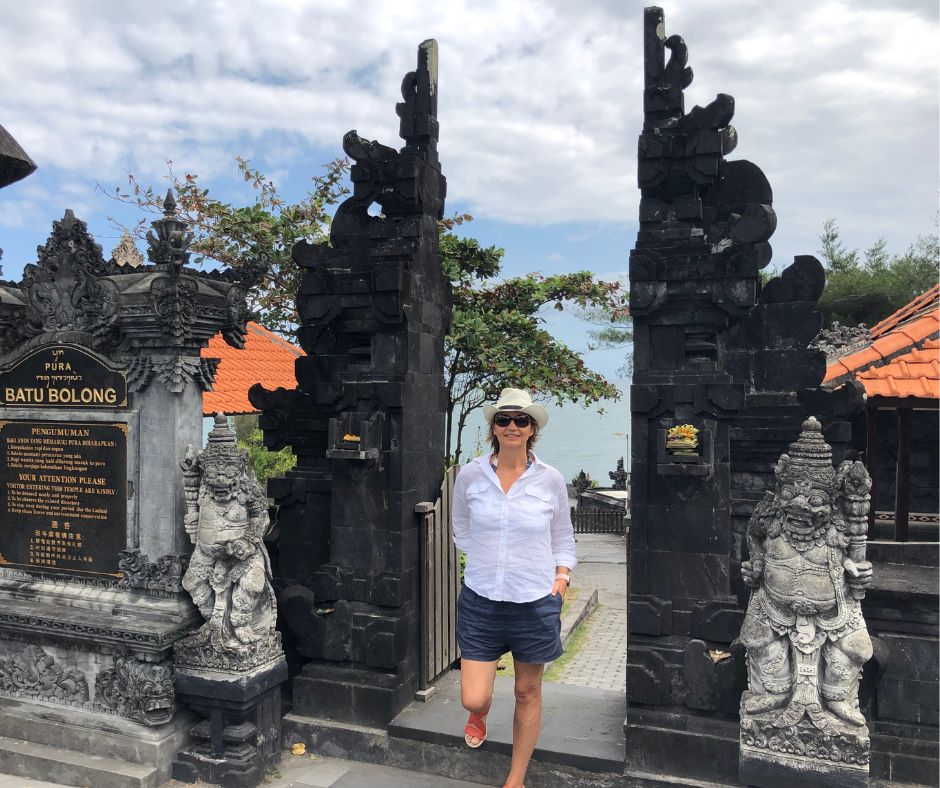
{"x": 503, "y": 420}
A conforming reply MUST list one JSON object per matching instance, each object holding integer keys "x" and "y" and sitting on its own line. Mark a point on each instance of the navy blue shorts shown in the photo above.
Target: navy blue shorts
{"x": 530, "y": 630}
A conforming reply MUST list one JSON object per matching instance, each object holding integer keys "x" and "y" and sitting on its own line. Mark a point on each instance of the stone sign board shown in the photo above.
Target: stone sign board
{"x": 63, "y": 496}
{"x": 62, "y": 376}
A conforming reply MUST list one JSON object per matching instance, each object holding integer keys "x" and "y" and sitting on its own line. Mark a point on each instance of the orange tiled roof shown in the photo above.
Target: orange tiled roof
{"x": 902, "y": 359}
{"x": 915, "y": 374}
{"x": 266, "y": 358}
{"x": 926, "y": 302}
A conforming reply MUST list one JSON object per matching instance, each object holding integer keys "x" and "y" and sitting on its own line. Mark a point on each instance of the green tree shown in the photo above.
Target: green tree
{"x": 868, "y": 287}
{"x": 497, "y": 337}
{"x": 613, "y": 327}
{"x": 265, "y": 463}
{"x": 268, "y": 225}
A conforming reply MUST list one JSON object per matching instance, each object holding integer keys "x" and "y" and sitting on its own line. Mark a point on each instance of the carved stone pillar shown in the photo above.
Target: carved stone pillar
{"x": 366, "y": 423}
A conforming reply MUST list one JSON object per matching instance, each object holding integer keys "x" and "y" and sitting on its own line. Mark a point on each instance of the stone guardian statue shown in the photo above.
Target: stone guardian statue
{"x": 804, "y": 632}
{"x": 229, "y": 574}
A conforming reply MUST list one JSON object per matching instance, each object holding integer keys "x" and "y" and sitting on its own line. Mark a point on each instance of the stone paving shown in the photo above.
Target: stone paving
{"x": 601, "y": 661}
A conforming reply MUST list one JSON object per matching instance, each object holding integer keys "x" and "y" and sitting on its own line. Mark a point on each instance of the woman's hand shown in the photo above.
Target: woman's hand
{"x": 560, "y": 587}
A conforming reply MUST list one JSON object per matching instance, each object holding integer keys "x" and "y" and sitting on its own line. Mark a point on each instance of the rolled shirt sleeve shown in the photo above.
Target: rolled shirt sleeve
{"x": 460, "y": 513}
{"x": 563, "y": 544}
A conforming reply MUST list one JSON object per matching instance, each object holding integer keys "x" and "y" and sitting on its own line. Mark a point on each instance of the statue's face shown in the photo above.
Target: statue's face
{"x": 222, "y": 483}
{"x": 807, "y": 507}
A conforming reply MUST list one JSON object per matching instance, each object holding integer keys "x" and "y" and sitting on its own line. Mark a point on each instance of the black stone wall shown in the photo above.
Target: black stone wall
{"x": 366, "y": 422}
{"x": 716, "y": 349}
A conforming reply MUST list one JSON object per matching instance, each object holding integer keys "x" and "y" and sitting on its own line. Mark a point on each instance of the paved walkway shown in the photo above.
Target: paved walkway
{"x": 306, "y": 771}
{"x": 601, "y": 661}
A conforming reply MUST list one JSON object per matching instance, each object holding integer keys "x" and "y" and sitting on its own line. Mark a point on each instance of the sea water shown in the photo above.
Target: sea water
{"x": 576, "y": 438}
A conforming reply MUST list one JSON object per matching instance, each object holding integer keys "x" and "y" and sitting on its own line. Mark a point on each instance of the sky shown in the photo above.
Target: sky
{"x": 540, "y": 109}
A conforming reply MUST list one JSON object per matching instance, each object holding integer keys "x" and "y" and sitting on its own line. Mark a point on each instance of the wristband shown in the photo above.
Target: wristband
{"x": 566, "y": 578}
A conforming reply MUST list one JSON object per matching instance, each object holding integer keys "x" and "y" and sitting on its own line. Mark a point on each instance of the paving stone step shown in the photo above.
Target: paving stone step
{"x": 67, "y": 767}
{"x": 91, "y": 733}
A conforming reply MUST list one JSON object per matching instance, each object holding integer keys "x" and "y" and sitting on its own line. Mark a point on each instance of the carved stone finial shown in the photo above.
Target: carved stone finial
{"x": 168, "y": 241}
{"x": 126, "y": 252}
{"x": 806, "y": 638}
{"x": 838, "y": 340}
{"x": 418, "y": 111}
{"x": 229, "y": 574}
{"x": 65, "y": 290}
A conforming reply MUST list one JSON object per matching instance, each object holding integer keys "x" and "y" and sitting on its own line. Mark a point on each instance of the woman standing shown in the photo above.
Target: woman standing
{"x": 511, "y": 518}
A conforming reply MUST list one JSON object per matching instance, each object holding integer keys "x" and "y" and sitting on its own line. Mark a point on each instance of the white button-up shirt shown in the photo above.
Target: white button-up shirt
{"x": 513, "y": 540}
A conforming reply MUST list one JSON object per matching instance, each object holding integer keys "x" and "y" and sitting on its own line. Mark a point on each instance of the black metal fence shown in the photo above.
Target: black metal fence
{"x": 590, "y": 520}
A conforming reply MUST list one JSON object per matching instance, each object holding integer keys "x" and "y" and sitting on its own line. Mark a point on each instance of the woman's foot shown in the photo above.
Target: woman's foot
{"x": 474, "y": 734}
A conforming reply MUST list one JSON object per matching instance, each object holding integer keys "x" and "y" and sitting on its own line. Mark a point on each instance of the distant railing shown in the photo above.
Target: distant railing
{"x": 591, "y": 520}
{"x": 440, "y": 584}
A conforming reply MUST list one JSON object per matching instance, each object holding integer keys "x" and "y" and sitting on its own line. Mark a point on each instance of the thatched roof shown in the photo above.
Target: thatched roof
{"x": 14, "y": 163}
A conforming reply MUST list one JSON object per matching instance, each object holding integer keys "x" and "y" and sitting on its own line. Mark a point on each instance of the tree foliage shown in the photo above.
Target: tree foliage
{"x": 498, "y": 336}
{"x": 268, "y": 224}
{"x": 613, "y": 328}
{"x": 266, "y": 464}
{"x": 867, "y": 287}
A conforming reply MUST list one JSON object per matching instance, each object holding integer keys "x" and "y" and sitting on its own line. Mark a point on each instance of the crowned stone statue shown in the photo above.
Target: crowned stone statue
{"x": 229, "y": 574}
{"x": 805, "y": 636}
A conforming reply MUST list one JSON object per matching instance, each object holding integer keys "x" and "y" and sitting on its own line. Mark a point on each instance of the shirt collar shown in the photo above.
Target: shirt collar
{"x": 484, "y": 463}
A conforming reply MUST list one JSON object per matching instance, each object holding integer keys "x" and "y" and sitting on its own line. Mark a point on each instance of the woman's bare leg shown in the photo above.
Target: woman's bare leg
{"x": 476, "y": 686}
{"x": 527, "y": 720}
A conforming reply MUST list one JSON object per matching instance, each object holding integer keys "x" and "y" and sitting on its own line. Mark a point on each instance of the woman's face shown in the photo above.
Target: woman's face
{"x": 512, "y": 435}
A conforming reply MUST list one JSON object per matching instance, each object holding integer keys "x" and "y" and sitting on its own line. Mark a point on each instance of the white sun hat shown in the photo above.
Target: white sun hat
{"x": 516, "y": 400}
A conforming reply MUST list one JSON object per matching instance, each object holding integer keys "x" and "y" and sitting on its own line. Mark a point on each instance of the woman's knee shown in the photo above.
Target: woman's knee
{"x": 528, "y": 691}
{"x": 475, "y": 701}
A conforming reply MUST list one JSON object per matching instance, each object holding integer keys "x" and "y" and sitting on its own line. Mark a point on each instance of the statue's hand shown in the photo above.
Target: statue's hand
{"x": 191, "y": 522}
{"x": 751, "y": 572}
{"x": 859, "y": 574}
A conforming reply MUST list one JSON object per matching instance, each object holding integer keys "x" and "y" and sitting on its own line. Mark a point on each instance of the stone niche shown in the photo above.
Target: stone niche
{"x": 100, "y": 392}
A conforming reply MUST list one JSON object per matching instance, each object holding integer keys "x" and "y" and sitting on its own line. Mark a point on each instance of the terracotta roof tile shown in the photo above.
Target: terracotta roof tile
{"x": 266, "y": 358}
{"x": 902, "y": 359}
{"x": 914, "y": 374}
{"x": 924, "y": 302}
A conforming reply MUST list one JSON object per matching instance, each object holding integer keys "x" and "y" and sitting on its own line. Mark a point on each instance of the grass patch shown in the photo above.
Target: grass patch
{"x": 553, "y": 672}
{"x": 506, "y": 667}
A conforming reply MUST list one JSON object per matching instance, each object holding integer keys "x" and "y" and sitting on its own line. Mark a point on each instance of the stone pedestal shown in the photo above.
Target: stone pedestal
{"x": 800, "y": 756}
{"x": 239, "y": 739}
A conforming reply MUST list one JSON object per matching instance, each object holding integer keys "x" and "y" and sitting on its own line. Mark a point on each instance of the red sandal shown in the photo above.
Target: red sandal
{"x": 476, "y": 727}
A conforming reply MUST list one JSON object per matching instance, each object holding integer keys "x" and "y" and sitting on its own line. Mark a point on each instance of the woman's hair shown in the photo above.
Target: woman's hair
{"x": 533, "y": 438}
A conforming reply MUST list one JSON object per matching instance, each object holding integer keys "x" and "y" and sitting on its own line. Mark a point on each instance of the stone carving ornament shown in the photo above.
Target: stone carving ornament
{"x": 229, "y": 574}
{"x": 32, "y": 673}
{"x": 137, "y": 690}
{"x": 805, "y": 635}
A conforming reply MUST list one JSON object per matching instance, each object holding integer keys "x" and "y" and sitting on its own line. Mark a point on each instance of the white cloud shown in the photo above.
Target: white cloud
{"x": 540, "y": 102}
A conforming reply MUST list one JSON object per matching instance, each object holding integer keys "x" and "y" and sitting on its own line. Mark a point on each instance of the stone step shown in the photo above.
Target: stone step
{"x": 67, "y": 767}
{"x": 89, "y": 732}
{"x": 581, "y": 743}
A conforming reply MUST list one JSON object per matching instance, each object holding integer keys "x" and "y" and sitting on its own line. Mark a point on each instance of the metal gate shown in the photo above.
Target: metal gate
{"x": 440, "y": 585}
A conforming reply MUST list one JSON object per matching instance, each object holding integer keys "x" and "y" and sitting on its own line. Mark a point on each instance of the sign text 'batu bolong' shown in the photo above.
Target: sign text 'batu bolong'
{"x": 63, "y": 376}
{"x": 101, "y": 386}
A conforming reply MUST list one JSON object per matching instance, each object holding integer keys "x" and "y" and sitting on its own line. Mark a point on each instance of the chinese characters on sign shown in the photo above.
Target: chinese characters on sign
{"x": 63, "y": 503}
